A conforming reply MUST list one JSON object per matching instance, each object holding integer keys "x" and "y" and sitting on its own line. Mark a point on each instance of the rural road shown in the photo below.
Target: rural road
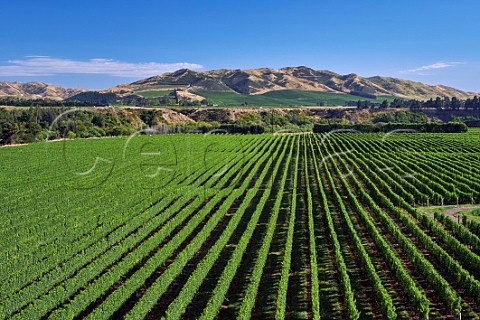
{"x": 451, "y": 212}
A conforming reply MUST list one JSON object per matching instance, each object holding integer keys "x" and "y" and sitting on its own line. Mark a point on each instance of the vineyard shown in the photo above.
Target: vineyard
{"x": 285, "y": 226}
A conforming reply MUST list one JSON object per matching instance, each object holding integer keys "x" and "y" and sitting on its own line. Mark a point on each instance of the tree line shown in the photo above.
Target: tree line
{"x": 39, "y": 124}
{"x": 93, "y": 98}
{"x": 23, "y": 102}
{"x": 430, "y": 127}
{"x": 439, "y": 103}
{"x": 25, "y": 125}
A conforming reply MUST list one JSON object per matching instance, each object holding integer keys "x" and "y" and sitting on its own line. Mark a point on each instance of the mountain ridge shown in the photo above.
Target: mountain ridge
{"x": 252, "y": 82}
{"x": 262, "y": 80}
{"x": 36, "y": 90}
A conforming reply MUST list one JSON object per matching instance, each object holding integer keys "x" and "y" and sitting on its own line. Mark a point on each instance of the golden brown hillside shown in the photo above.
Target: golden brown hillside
{"x": 36, "y": 90}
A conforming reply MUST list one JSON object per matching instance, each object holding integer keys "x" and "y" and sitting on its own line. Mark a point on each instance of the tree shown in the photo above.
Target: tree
{"x": 439, "y": 103}
{"x": 429, "y": 104}
{"x": 468, "y": 104}
{"x": 447, "y": 103}
{"x": 476, "y": 103}
{"x": 455, "y": 104}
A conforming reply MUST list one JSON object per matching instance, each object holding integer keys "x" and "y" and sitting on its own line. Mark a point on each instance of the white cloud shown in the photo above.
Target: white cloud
{"x": 438, "y": 65}
{"x": 48, "y": 66}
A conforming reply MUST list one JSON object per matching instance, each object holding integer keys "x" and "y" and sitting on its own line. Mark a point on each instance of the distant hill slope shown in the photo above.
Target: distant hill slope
{"x": 36, "y": 90}
{"x": 259, "y": 81}
{"x": 284, "y": 98}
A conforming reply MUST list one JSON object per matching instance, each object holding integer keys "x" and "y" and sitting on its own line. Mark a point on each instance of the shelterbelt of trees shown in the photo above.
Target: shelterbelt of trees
{"x": 431, "y": 127}
{"x": 439, "y": 103}
{"x": 90, "y": 99}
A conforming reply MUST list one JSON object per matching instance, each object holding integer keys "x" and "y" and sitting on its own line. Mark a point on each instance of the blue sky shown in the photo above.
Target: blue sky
{"x": 98, "y": 44}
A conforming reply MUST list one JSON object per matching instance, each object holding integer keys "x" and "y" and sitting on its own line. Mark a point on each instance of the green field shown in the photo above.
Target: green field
{"x": 153, "y": 93}
{"x": 283, "y": 98}
{"x": 186, "y": 226}
{"x": 160, "y": 86}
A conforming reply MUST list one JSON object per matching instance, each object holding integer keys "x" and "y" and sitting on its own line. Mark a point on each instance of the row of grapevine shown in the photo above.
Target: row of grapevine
{"x": 349, "y": 298}
{"x": 381, "y": 295}
{"x": 439, "y": 284}
{"x": 220, "y": 291}
{"x": 107, "y": 280}
{"x": 414, "y": 294}
{"x": 286, "y": 263}
{"x": 315, "y": 291}
{"x": 178, "y": 306}
{"x": 317, "y": 219}
{"x": 459, "y": 231}
{"x": 466, "y": 256}
{"x": 250, "y": 295}
{"x": 143, "y": 306}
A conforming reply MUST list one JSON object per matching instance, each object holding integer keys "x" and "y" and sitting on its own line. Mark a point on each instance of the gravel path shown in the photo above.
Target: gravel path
{"x": 451, "y": 212}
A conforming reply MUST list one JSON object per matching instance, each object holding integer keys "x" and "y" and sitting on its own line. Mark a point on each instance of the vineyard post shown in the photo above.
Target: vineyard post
{"x": 442, "y": 202}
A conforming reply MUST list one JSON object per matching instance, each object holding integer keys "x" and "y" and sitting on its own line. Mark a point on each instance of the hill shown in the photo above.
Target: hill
{"x": 263, "y": 80}
{"x": 295, "y": 86}
{"x": 36, "y": 90}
